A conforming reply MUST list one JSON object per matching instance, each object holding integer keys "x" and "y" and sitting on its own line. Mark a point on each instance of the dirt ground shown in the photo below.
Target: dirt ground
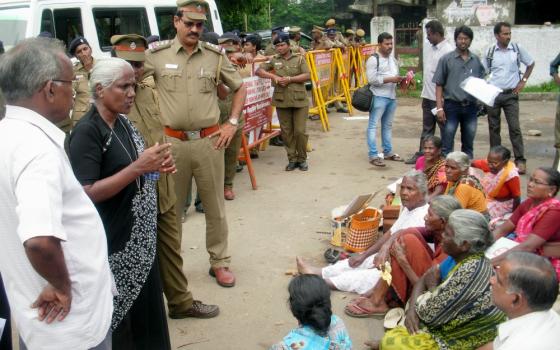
{"x": 288, "y": 216}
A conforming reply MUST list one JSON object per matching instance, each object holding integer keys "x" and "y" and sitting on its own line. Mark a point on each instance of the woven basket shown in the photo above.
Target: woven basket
{"x": 363, "y": 231}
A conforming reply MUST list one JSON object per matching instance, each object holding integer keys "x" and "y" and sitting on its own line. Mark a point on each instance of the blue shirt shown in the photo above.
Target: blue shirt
{"x": 305, "y": 338}
{"x": 504, "y": 71}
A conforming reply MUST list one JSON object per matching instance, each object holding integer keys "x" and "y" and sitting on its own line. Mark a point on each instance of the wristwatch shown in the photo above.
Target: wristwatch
{"x": 524, "y": 79}
{"x": 233, "y": 121}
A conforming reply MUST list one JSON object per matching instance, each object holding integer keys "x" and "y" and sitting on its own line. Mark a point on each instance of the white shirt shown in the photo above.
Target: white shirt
{"x": 388, "y": 67}
{"x": 536, "y": 331}
{"x": 434, "y": 53}
{"x": 39, "y": 196}
{"x": 410, "y": 218}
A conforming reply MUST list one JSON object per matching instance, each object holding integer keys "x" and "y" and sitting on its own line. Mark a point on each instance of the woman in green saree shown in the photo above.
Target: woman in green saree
{"x": 456, "y": 313}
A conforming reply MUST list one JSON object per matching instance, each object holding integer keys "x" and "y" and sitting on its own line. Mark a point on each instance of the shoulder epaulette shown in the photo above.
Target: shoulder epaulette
{"x": 214, "y": 48}
{"x": 160, "y": 45}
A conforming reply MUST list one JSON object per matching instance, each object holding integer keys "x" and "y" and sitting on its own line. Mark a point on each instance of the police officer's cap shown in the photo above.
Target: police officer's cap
{"x": 331, "y": 31}
{"x": 360, "y": 33}
{"x": 278, "y": 29}
{"x": 130, "y": 47}
{"x": 349, "y": 32}
{"x": 282, "y": 38}
{"x": 317, "y": 29}
{"x": 294, "y": 30}
{"x": 194, "y": 10}
{"x": 330, "y": 22}
{"x": 227, "y": 36}
{"x": 79, "y": 40}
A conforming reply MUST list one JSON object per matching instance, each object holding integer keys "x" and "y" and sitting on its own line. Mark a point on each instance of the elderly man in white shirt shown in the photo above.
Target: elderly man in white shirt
{"x": 359, "y": 273}
{"x": 53, "y": 255}
{"x": 439, "y": 47}
{"x": 524, "y": 287}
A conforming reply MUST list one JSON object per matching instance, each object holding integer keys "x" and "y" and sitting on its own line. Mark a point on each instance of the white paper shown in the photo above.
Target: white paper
{"x": 481, "y": 90}
{"x": 499, "y": 247}
{"x": 357, "y": 117}
{"x": 2, "y": 325}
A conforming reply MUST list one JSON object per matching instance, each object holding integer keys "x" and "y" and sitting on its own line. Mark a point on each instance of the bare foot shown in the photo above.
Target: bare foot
{"x": 373, "y": 344}
{"x": 305, "y": 268}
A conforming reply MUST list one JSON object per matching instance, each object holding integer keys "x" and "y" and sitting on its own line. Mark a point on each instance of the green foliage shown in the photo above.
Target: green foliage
{"x": 549, "y": 86}
{"x": 303, "y": 13}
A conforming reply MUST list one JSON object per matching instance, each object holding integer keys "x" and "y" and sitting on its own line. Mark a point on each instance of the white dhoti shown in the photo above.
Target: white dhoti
{"x": 358, "y": 279}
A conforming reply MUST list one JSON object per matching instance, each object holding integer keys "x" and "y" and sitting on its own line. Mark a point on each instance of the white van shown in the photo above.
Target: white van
{"x": 96, "y": 20}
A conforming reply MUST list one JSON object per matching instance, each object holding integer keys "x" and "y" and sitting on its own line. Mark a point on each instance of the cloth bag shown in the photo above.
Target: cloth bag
{"x": 362, "y": 98}
{"x": 363, "y": 230}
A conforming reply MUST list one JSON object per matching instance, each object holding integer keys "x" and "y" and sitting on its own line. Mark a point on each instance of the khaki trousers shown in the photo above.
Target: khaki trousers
{"x": 230, "y": 158}
{"x": 198, "y": 158}
{"x": 175, "y": 284}
{"x": 293, "y": 127}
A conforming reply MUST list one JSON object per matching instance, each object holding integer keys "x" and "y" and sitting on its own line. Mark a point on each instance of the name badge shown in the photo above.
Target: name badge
{"x": 171, "y": 66}
{"x": 79, "y": 77}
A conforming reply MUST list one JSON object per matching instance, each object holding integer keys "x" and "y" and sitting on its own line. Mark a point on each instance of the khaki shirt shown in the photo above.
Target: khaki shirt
{"x": 225, "y": 104}
{"x": 293, "y": 95}
{"x": 145, "y": 116}
{"x": 82, "y": 101}
{"x": 187, "y": 84}
{"x": 323, "y": 44}
{"x": 270, "y": 50}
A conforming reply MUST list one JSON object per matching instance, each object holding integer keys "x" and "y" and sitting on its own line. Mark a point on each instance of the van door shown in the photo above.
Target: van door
{"x": 64, "y": 24}
{"x": 126, "y": 20}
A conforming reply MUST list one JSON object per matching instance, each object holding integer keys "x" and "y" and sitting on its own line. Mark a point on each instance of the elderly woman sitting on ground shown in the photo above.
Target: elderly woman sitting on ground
{"x": 358, "y": 274}
{"x": 457, "y": 312}
{"x": 411, "y": 257}
{"x": 536, "y": 221}
{"x": 465, "y": 187}
{"x": 500, "y": 181}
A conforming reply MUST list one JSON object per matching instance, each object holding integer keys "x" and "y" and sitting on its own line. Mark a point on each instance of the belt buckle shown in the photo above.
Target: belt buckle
{"x": 192, "y": 135}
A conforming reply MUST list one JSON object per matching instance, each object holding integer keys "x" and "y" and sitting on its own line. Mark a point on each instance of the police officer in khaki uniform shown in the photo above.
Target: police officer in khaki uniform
{"x": 79, "y": 47}
{"x": 269, "y": 49}
{"x": 295, "y": 37}
{"x": 320, "y": 41}
{"x": 289, "y": 72}
{"x": 349, "y": 36}
{"x": 230, "y": 43}
{"x": 359, "y": 38}
{"x": 145, "y": 116}
{"x": 186, "y": 73}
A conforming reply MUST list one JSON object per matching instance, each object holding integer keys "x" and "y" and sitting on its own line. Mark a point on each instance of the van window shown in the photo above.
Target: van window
{"x": 47, "y": 22}
{"x": 109, "y": 22}
{"x": 164, "y": 17}
{"x": 13, "y": 23}
{"x": 68, "y": 24}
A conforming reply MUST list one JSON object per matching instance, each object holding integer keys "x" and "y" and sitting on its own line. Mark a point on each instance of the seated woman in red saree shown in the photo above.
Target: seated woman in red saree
{"x": 536, "y": 221}
{"x": 500, "y": 181}
{"x": 410, "y": 256}
{"x": 432, "y": 164}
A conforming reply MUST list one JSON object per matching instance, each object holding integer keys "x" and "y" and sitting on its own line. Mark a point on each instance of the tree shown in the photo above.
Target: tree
{"x": 234, "y": 13}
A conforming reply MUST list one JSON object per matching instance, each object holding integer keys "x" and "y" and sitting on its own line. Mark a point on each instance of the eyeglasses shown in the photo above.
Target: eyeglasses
{"x": 190, "y": 24}
{"x": 533, "y": 180}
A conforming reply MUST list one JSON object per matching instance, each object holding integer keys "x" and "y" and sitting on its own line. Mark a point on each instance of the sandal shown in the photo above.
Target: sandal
{"x": 332, "y": 255}
{"x": 358, "y": 311}
{"x": 377, "y": 162}
{"x": 394, "y": 157}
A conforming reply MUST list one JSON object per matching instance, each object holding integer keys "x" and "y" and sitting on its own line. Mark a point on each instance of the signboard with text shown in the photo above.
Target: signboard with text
{"x": 258, "y": 104}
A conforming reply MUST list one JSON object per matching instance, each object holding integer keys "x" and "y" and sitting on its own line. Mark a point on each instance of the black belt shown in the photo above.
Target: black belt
{"x": 507, "y": 91}
{"x": 463, "y": 103}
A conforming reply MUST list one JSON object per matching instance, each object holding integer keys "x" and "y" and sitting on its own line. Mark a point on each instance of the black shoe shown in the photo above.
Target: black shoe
{"x": 291, "y": 166}
{"x": 238, "y": 168}
{"x": 198, "y": 207}
{"x": 303, "y": 166}
{"x": 413, "y": 159}
{"x": 197, "y": 310}
{"x": 276, "y": 141}
{"x": 342, "y": 110}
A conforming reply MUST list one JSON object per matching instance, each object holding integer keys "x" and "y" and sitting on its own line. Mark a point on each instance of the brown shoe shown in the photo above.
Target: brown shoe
{"x": 223, "y": 275}
{"x": 521, "y": 167}
{"x": 228, "y": 193}
{"x": 197, "y": 310}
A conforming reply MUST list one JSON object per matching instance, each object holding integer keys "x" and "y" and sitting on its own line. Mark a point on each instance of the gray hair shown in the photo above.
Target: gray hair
{"x": 534, "y": 277}
{"x": 444, "y": 205}
{"x": 462, "y": 159}
{"x": 28, "y": 66}
{"x": 420, "y": 179}
{"x": 470, "y": 226}
{"x": 105, "y": 72}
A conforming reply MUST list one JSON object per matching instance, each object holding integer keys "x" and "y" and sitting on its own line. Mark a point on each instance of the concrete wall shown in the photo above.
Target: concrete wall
{"x": 475, "y": 12}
